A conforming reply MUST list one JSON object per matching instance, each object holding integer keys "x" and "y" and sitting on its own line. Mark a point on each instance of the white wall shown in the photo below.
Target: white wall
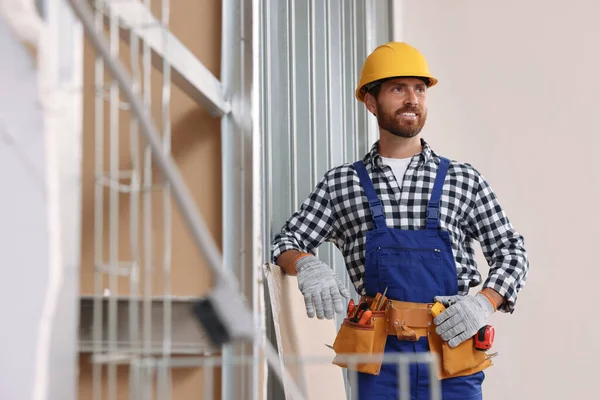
{"x": 518, "y": 98}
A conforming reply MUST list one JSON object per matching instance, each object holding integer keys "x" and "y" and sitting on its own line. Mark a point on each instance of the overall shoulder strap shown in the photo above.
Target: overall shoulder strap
{"x": 433, "y": 208}
{"x": 374, "y": 203}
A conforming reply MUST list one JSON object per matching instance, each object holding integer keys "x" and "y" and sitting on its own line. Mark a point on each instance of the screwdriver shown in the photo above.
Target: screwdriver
{"x": 378, "y": 301}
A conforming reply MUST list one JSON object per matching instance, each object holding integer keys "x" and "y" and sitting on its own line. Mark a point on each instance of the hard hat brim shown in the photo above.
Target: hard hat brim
{"x": 361, "y": 92}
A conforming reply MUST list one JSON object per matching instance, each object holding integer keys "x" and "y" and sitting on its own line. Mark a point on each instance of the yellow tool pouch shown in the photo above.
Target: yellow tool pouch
{"x": 359, "y": 340}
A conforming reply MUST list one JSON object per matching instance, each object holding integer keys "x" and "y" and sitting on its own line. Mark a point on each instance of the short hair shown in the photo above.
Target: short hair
{"x": 375, "y": 87}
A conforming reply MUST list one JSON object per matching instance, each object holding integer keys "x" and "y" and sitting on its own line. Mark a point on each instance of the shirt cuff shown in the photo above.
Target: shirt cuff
{"x": 505, "y": 288}
{"x": 282, "y": 247}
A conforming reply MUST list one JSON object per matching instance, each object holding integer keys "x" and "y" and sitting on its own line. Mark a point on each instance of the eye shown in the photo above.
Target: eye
{"x": 397, "y": 89}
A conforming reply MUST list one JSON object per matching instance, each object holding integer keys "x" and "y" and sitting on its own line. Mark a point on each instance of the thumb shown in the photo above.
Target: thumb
{"x": 343, "y": 291}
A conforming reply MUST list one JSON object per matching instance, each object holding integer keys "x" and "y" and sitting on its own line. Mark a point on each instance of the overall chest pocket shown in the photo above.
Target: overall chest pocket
{"x": 411, "y": 274}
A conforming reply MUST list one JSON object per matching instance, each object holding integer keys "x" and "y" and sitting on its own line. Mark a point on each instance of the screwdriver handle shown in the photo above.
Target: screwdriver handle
{"x": 365, "y": 317}
{"x": 350, "y": 307}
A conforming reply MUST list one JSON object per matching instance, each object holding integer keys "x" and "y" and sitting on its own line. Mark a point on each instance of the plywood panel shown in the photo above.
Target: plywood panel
{"x": 196, "y": 150}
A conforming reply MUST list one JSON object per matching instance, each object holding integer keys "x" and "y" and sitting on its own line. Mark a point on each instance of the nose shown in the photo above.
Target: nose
{"x": 411, "y": 98}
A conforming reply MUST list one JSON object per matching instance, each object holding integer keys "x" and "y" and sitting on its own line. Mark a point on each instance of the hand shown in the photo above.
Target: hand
{"x": 321, "y": 288}
{"x": 463, "y": 318}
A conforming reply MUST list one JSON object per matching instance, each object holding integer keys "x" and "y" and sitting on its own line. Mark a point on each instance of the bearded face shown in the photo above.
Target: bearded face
{"x": 406, "y": 121}
{"x": 400, "y": 106}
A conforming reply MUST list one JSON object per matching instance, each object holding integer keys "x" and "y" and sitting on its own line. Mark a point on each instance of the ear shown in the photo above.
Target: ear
{"x": 371, "y": 103}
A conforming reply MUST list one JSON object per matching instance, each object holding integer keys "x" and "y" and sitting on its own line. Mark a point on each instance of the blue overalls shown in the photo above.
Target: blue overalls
{"x": 415, "y": 266}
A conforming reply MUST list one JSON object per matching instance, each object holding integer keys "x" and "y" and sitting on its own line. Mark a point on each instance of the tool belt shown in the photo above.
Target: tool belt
{"x": 406, "y": 321}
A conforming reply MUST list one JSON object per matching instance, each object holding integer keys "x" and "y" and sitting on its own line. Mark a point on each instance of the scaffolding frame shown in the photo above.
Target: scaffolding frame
{"x": 231, "y": 100}
{"x": 235, "y": 100}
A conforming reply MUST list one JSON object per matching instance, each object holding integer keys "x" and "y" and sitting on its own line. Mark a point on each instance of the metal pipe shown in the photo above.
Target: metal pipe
{"x": 208, "y": 380}
{"x": 98, "y": 207}
{"x": 435, "y": 387}
{"x": 134, "y": 216}
{"x": 231, "y": 151}
{"x": 113, "y": 238}
{"x": 164, "y": 384}
{"x": 147, "y": 197}
{"x": 166, "y": 120}
{"x": 403, "y": 378}
{"x": 135, "y": 390}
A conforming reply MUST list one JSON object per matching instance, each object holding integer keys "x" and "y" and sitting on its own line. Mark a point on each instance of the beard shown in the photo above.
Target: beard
{"x": 392, "y": 122}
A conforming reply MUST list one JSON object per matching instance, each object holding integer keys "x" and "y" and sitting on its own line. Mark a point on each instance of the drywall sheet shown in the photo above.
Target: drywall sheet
{"x": 301, "y": 337}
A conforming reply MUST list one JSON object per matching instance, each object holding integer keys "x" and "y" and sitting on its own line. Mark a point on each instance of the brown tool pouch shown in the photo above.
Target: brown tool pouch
{"x": 406, "y": 321}
{"x": 459, "y": 361}
{"x": 359, "y": 340}
{"x": 411, "y": 321}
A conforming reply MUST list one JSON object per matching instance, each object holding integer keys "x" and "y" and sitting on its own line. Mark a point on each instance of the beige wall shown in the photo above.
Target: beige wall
{"x": 196, "y": 150}
{"x": 518, "y": 98}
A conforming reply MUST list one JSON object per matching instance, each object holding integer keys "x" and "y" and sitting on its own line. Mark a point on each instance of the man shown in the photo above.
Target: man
{"x": 405, "y": 219}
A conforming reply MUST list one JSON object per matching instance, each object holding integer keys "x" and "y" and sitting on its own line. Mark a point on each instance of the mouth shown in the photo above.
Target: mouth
{"x": 408, "y": 116}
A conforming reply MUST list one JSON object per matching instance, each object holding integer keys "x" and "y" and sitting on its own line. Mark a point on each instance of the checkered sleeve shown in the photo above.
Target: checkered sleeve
{"x": 309, "y": 226}
{"x": 502, "y": 246}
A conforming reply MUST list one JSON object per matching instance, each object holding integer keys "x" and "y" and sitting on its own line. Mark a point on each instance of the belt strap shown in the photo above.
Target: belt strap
{"x": 415, "y": 318}
{"x": 406, "y": 320}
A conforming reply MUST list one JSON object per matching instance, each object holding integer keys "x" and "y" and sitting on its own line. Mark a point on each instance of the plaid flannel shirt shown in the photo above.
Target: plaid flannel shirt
{"x": 337, "y": 211}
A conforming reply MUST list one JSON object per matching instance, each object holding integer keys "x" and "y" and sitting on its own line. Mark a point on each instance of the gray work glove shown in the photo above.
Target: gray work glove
{"x": 321, "y": 288}
{"x": 462, "y": 319}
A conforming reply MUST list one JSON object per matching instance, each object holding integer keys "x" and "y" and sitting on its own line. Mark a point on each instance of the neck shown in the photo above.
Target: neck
{"x": 392, "y": 146}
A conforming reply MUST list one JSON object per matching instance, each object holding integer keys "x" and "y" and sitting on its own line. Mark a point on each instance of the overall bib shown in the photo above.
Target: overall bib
{"x": 415, "y": 266}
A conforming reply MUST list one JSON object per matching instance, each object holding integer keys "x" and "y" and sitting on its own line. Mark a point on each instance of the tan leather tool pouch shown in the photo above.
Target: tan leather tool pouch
{"x": 459, "y": 361}
{"x": 359, "y": 340}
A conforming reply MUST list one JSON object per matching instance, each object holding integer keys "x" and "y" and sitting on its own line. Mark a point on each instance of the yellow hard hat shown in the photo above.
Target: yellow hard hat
{"x": 390, "y": 60}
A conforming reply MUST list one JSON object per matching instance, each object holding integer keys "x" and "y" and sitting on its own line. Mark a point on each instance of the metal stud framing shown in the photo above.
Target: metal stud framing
{"x": 303, "y": 126}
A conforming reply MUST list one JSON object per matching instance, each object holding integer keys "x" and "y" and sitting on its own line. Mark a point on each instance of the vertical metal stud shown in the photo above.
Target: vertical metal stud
{"x": 147, "y": 202}
{"x": 98, "y": 206}
{"x": 237, "y": 164}
{"x": 293, "y": 132}
{"x": 113, "y": 236}
{"x": 164, "y": 391}
{"x": 134, "y": 209}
